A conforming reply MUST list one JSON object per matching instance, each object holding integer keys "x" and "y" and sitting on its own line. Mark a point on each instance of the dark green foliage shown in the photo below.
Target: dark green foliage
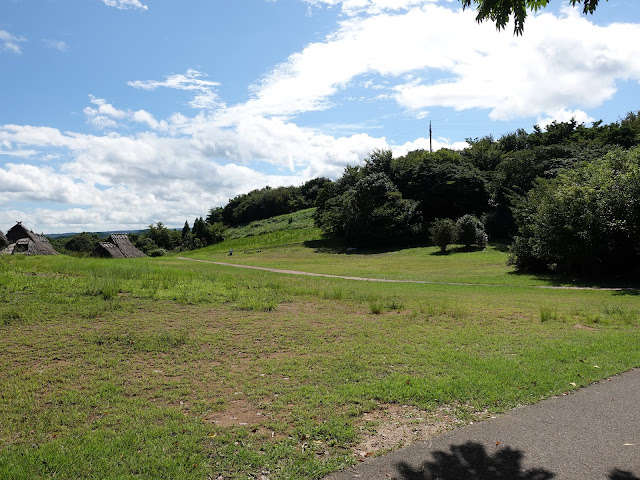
{"x": 331, "y": 202}
{"x": 143, "y": 242}
{"x": 82, "y": 243}
{"x": 164, "y": 237}
{"x": 367, "y": 209}
{"x": 375, "y": 212}
{"x": 500, "y": 11}
{"x": 186, "y": 230}
{"x": 586, "y": 221}
{"x": 443, "y": 232}
{"x": 444, "y": 183}
{"x": 483, "y": 153}
{"x": 269, "y": 202}
{"x": 379, "y": 161}
{"x": 215, "y": 215}
{"x": 470, "y": 231}
{"x": 161, "y": 237}
{"x": 206, "y": 233}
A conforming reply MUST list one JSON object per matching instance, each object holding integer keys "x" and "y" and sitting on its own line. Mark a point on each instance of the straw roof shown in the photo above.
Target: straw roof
{"x": 117, "y": 245}
{"x": 22, "y": 240}
{"x": 107, "y": 250}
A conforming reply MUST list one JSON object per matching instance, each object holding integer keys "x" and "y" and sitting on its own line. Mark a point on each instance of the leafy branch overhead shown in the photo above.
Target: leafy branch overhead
{"x": 500, "y": 11}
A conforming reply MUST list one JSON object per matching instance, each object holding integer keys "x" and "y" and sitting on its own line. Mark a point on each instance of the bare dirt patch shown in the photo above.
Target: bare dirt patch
{"x": 238, "y": 413}
{"x": 583, "y": 327}
{"x": 390, "y": 427}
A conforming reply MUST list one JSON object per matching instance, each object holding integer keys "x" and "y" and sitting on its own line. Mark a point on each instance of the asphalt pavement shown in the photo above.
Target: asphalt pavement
{"x": 590, "y": 434}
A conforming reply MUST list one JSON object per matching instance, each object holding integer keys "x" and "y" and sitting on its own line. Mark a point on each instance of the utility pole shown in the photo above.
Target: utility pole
{"x": 430, "y": 145}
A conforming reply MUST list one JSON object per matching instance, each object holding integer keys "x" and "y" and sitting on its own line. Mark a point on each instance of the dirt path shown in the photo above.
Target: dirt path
{"x": 388, "y": 280}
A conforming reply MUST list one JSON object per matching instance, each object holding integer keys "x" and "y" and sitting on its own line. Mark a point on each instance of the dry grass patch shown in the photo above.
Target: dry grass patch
{"x": 392, "y": 426}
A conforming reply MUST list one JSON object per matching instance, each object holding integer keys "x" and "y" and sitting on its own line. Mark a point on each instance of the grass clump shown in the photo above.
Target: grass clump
{"x": 549, "y": 314}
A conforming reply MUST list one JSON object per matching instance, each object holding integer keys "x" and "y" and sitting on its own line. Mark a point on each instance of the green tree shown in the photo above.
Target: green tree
{"x": 82, "y": 243}
{"x": 186, "y": 230}
{"x": 375, "y": 213}
{"x": 470, "y": 231}
{"x": 443, "y": 232}
{"x": 500, "y": 11}
{"x": 215, "y": 215}
{"x": 164, "y": 237}
{"x": 444, "y": 183}
{"x": 586, "y": 221}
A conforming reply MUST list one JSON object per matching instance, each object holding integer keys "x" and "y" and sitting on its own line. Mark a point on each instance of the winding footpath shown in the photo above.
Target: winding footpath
{"x": 390, "y": 280}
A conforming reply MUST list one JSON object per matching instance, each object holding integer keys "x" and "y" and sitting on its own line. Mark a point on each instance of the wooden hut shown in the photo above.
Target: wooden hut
{"x": 117, "y": 245}
{"x": 22, "y": 240}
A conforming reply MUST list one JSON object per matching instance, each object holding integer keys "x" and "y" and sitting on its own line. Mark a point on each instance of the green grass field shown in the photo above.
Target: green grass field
{"x": 166, "y": 368}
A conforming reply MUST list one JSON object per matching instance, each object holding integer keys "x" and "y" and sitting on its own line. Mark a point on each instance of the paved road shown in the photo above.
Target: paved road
{"x": 591, "y": 434}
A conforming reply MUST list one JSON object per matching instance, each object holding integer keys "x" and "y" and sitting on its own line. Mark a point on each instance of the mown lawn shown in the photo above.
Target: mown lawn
{"x": 165, "y": 368}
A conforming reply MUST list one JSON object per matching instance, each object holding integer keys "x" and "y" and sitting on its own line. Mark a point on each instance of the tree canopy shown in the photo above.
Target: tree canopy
{"x": 500, "y": 11}
{"x": 585, "y": 221}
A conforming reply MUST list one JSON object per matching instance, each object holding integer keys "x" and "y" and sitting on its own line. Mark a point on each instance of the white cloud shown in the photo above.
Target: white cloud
{"x": 407, "y": 51}
{"x": 193, "y": 81}
{"x": 560, "y": 63}
{"x": 563, "y": 62}
{"x": 125, "y": 4}
{"x": 565, "y": 115}
{"x": 148, "y": 178}
{"x": 59, "y": 45}
{"x": 10, "y": 43}
{"x": 105, "y": 115}
{"x": 142, "y": 116}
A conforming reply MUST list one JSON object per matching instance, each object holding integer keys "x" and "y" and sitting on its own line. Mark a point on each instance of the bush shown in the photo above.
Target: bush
{"x": 443, "y": 232}
{"x": 470, "y": 231}
{"x": 157, "y": 252}
{"x": 586, "y": 221}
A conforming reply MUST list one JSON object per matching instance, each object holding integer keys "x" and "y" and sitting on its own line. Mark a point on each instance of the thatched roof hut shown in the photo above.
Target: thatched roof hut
{"x": 117, "y": 245}
{"x": 22, "y": 240}
{"x": 4, "y": 241}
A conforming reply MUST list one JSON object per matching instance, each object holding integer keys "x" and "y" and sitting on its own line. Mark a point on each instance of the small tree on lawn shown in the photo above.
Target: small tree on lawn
{"x": 471, "y": 231}
{"x": 443, "y": 232}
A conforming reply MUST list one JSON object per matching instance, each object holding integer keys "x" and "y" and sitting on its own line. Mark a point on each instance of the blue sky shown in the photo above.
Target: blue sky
{"x": 115, "y": 114}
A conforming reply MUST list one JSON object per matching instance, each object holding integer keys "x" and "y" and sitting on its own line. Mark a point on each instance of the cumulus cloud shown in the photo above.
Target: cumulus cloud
{"x": 148, "y": 169}
{"x": 559, "y": 63}
{"x": 565, "y": 115}
{"x": 10, "y": 43}
{"x": 563, "y": 61}
{"x": 125, "y": 4}
{"x": 104, "y": 115}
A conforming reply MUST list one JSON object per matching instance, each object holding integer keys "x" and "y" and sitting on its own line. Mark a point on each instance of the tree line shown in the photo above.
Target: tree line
{"x": 567, "y": 197}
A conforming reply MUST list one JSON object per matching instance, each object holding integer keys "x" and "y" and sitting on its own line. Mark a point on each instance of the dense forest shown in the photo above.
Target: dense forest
{"x": 567, "y": 197}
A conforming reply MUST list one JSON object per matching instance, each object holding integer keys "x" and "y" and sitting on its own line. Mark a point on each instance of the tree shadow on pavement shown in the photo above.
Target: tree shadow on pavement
{"x": 622, "y": 475}
{"x": 470, "y": 461}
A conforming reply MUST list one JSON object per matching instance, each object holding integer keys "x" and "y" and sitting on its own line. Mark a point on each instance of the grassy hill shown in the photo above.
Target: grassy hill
{"x": 169, "y": 368}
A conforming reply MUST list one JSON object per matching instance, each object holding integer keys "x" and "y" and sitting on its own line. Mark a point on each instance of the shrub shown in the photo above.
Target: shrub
{"x": 471, "y": 231}
{"x": 157, "y": 252}
{"x": 586, "y": 221}
{"x": 443, "y": 232}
